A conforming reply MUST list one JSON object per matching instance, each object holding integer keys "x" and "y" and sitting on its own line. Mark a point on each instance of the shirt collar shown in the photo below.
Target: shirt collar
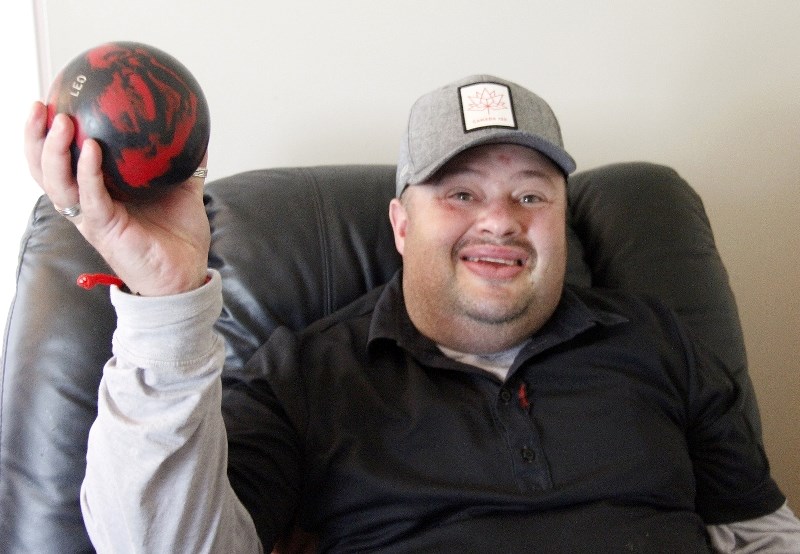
{"x": 572, "y": 317}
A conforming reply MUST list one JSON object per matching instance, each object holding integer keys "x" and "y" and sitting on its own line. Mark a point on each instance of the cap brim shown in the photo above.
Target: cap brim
{"x": 557, "y": 155}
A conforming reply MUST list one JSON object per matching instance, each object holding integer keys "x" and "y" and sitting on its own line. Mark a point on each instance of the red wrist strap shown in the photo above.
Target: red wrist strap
{"x": 91, "y": 280}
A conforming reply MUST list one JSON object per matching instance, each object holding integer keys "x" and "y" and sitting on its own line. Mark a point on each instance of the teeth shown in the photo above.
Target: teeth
{"x": 495, "y": 261}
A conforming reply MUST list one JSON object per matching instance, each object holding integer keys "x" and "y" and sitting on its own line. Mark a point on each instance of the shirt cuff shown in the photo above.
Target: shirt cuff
{"x": 167, "y": 332}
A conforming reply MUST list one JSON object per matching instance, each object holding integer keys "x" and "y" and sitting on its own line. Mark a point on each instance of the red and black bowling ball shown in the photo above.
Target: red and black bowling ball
{"x": 145, "y": 109}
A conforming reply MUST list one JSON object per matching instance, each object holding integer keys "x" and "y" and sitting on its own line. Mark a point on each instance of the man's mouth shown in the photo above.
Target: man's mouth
{"x": 501, "y": 261}
{"x": 495, "y": 262}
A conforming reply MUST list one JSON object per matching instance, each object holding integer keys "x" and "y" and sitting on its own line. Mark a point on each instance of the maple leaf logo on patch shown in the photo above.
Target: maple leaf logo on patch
{"x": 486, "y": 105}
{"x": 486, "y": 100}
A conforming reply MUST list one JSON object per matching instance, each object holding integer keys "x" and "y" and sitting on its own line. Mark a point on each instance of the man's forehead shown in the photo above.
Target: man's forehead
{"x": 525, "y": 158}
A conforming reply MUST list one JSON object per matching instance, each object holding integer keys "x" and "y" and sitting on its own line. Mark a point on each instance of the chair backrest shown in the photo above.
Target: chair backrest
{"x": 293, "y": 245}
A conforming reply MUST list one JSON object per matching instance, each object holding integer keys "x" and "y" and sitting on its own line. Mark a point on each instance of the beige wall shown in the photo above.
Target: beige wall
{"x": 710, "y": 88}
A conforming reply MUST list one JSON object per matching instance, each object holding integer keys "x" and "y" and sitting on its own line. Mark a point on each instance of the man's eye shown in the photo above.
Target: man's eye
{"x": 462, "y": 196}
{"x": 530, "y": 199}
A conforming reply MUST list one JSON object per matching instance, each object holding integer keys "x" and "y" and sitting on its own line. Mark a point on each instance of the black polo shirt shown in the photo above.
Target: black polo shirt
{"x": 611, "y": 433}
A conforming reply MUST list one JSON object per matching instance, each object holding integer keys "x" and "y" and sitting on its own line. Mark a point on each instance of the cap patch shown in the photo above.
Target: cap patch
{"x": 486, "y": 105}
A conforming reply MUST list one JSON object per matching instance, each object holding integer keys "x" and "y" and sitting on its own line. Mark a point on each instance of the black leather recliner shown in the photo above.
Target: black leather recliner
{"x": 293, "y": 245}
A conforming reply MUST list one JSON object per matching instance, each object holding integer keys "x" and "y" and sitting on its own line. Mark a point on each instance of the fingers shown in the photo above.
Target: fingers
{"x": 197, "y": 180}
{"x": 49, "y": 159}
{"x": 35, "y": 132}
{"x": 95, "y": 200}
{"x": 50, "y": 163}
{"x": 57, "y": 179}
{"x": 202, "y": 170}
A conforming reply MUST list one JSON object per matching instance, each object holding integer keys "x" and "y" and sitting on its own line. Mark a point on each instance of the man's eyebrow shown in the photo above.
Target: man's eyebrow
{"x": 535, "y": 173}
{"x": 453, "y": 170}
{"x": 465, "y": 169}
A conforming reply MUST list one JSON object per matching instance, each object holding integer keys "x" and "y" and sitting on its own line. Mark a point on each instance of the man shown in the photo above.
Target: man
{"x": 472, "y": 404}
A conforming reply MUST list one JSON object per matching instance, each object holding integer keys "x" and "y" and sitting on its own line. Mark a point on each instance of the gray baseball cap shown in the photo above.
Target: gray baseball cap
{"x": 476, "y": 110}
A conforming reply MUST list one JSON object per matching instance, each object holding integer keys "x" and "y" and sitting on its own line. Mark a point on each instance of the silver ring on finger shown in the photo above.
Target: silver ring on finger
{"x": 72, "y": 211}
{"x": 201, "y": 172}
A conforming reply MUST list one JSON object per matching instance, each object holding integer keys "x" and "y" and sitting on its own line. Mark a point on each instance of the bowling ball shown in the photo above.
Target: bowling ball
{"x": 145, "y": 109}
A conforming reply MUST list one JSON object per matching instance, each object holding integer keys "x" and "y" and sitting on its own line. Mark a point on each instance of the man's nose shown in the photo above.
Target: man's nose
{"x": 500, "y": 218}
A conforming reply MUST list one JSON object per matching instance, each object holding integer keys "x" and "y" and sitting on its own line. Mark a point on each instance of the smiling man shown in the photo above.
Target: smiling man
{"x": 484, "y": 247}
{"x": 472, "y": 404}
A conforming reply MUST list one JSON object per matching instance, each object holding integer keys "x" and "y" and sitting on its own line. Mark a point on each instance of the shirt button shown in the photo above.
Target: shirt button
{"x": 505, "y": 396}
{"x": 528, "y": 455}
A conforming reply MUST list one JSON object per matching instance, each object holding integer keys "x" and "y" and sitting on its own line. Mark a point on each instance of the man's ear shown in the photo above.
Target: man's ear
{"x": 398, "y": 216}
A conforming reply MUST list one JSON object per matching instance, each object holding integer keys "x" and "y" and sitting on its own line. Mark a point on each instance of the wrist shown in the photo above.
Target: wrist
{"x": 172, "y": 287}
{"x": 91, "y": 280}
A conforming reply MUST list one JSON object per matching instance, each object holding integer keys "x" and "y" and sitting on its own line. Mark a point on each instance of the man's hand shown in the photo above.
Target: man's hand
{"x": 158, "y": 248}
